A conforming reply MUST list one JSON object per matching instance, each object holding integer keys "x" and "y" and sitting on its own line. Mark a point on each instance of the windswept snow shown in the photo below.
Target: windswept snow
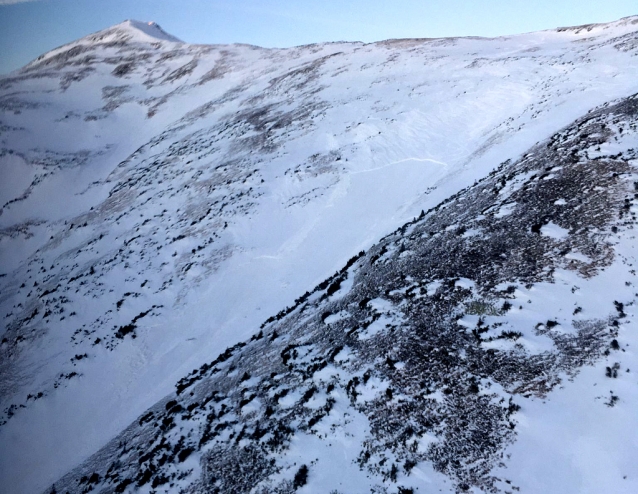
{"x": 427, "y": 390}
{"x": 161, "y": 200}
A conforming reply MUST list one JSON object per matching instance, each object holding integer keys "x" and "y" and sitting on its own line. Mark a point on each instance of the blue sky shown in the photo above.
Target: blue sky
{"x": 29, "y": 28}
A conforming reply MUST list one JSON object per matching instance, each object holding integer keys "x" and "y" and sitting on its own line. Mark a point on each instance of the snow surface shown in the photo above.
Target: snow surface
{"x": 358, "y": 140}
{"x": 574, "y": 440}
{"x": 425, "y": 386}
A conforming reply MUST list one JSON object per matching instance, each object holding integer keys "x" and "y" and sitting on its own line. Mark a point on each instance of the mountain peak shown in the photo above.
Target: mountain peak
{"x": 128, "y": 31}
{"x": 142, "y": 31}
{"x": 132, "y": 30}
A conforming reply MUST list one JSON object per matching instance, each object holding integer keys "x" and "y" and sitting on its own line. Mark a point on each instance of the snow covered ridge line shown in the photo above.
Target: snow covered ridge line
{"x": 415, "y": 361}
{"x": 132, "y": 31}
{"x": 126, "y": 32}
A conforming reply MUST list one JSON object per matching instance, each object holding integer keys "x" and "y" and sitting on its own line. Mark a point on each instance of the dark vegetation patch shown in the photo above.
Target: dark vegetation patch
{"x": 433, "y": 368}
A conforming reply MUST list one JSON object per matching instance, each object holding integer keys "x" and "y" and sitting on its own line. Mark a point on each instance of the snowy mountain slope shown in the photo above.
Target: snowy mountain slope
{"x": 416, "y": 367}
{"x": 160, "y": 200}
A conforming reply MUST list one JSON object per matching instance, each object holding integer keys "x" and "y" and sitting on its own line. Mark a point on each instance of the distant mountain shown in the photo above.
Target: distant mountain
{"x": 161, "y": 200}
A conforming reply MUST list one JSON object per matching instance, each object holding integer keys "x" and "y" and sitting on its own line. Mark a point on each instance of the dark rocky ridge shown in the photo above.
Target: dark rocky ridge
{"x": 439, "y": 387}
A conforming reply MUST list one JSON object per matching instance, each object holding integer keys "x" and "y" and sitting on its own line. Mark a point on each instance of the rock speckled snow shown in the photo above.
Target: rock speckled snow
{"x": 443, "y": 377}
{"x": 160, "y": 200}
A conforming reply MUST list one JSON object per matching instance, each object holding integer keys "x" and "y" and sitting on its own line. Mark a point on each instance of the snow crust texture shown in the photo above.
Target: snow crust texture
{"x": 160, "y": 200}
{"x": 429, "y": 374}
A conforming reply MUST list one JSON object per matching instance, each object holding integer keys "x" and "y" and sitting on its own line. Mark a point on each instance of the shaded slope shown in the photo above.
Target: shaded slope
{"x": 161, "y": 199}
{"x": 420, "y": 351}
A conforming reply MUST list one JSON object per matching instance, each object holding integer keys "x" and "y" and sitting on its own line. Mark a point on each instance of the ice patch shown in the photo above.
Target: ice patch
{"x": 577, "y": 256}
{"x": 376, "y": 327}
{"x": 290, "y": 399}
{"x": 380, "y": 305}
{"x": 554, "y": 231}
{"x": 433, "y": 287}
{"x": 505, "y": 210}
{"x": 465, "y": 283}
{"x": 472, "y": 233}
{"x": 339, "y": 316}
